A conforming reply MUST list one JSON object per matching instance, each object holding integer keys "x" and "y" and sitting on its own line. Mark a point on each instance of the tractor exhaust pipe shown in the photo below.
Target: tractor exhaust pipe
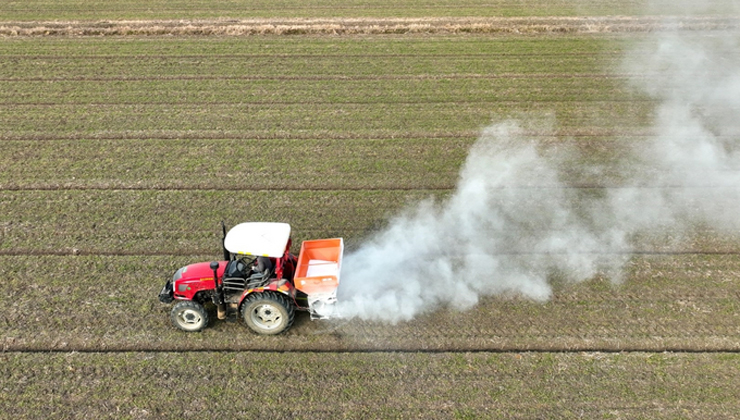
{"x": 218, "y": 296}
{"x": 227, "y": 254}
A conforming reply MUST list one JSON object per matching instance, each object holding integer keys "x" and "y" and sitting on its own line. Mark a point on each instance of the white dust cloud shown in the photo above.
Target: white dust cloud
{"x": 512, "y": 224}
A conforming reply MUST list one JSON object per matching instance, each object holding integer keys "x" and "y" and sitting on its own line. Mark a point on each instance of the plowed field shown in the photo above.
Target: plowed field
{"x": 121, "y": 154}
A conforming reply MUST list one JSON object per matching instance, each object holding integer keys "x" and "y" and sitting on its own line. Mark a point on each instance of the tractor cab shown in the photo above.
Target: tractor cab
{"x": 257, "y": 253}
{"x": 260, "y": 247}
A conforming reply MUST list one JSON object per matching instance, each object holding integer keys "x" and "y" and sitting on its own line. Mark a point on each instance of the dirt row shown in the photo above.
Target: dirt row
{"x": 363, "y": 26}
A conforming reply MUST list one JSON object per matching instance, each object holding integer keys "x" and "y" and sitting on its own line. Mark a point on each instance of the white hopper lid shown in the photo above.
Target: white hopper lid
{"x": 266, "y": 239}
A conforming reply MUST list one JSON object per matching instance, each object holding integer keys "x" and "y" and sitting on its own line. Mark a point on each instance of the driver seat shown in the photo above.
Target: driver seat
{"x": 264, "y": 270}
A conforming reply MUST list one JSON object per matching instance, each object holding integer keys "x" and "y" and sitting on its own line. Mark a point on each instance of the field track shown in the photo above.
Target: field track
{"x": 360, "y": 26}
{"x": 125, "y": 141}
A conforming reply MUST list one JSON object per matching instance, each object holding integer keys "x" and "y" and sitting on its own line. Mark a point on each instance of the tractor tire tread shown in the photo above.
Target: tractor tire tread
{"x": 276, "y": 297}
{"x": 193, "y": 306}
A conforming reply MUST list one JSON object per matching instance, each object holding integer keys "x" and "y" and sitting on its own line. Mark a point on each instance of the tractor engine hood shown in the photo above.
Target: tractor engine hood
{"x": 199, "y": 271}
{"x": 186, "y": 279}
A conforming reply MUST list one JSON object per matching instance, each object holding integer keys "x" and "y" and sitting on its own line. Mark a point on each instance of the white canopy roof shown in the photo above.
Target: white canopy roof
{"x": 264, "y": 239}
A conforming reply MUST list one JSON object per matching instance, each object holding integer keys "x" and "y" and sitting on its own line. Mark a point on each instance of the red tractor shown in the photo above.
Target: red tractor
{"x": 259, "y": 280}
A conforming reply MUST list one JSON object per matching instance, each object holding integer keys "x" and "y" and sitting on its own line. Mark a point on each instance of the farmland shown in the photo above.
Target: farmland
{"x": 121, "y": 152}
{"x": 35, "y": 10}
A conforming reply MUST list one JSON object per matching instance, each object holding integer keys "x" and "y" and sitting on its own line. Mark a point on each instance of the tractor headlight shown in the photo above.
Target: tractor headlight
{"x": 178, "y": 274}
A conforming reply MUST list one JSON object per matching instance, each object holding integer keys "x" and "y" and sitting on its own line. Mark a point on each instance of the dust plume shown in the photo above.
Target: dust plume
{"x": 513, "y": 224}
{"x": 509, "y": 226}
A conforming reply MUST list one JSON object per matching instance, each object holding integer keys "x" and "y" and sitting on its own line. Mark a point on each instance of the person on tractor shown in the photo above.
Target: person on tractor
{"x": 262, "y": 265}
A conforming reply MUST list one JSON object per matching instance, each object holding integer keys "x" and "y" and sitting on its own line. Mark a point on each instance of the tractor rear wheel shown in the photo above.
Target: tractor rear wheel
{"x": 189, "y": 316}
{"x": 268, "y": 313}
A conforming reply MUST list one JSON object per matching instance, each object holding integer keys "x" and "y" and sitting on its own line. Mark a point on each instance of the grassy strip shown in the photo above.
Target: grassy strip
{"x": 456, "y": 91}
{"x": 324, "y": 385}
{"x": 294, "y": 164}
{"x": 106, "y": 302}
{"x": 301, "y": 55}
{"x": 335, "y": 87}
{"x": 203, "y": 9}
{"x": 315, "y": 120}
{"x": 146, "y": 221}
{"x": 150, "y": 220}
{"x": 234, "y": 164}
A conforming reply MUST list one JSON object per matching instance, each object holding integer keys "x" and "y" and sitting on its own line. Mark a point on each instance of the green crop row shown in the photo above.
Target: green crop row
{"x": 258, "y": 164}
{"x": 286, "y": 120}
{"x": 382, "y": 385}
{"x": 159, "y": 9}
{"x": 337, "y": 92}
{"x": 343, "y": 63}
{"x": 164, "y": 221}
{"x": 155, "y": 221}
{"x": 274, "y": 52}
{"x": 110, "y": 302}
{"x": 99, "y": 10}
{"x": 274, "y": 57}
{"x": 336, "y": 87}
{"x": 234, "y": 164}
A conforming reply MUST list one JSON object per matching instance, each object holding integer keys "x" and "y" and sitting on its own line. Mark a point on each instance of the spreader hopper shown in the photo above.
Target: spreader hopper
{"x": 317, "y": 274}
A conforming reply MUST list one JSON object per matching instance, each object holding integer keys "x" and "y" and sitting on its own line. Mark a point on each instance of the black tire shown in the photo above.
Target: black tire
{"x": 268, "y": 313}
{"x": 189, "y": 316}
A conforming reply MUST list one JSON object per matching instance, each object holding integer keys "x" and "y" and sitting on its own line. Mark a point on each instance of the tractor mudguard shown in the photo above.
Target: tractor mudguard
{"x": 281, "y": 286}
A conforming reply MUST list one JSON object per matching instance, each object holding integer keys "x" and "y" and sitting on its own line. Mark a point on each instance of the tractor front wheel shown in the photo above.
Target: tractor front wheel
{"x": 189, "y": 316}
{"x": 268, "y": 313}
